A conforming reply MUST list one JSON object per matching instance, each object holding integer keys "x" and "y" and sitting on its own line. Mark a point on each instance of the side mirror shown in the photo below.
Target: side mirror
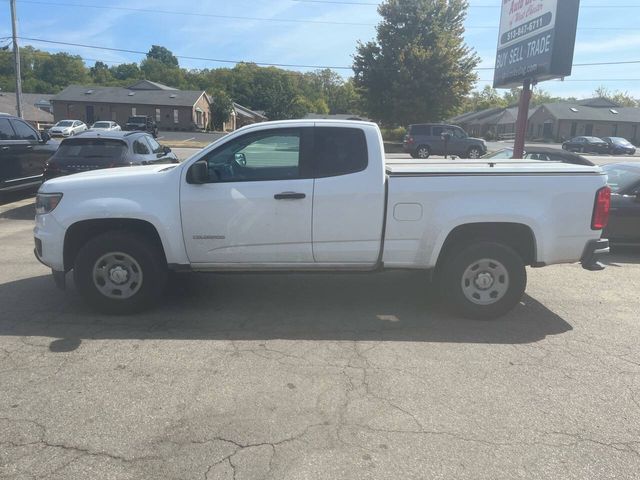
{"x": 45, "y": 137}
{"x": 198, "y": 173}
{"x": 166, "y": 150}
{"x": 240, "y": 159}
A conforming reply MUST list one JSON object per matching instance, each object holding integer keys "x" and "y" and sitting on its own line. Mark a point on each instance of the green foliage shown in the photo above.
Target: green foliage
{"x": 393, "y": 134}
{"x": 221, "y": 108}
{"x": 623, "y": 99}
{"x": 419, "y": 68}
{"x": 490, "y": 98}
{"x": 162, "y": 55}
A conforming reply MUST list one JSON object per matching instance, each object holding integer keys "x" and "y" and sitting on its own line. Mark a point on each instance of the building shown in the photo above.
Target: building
{"x": 241, "y": 116}
{"x": 35, "y": 108}
{"x": 596, "y": 117}
{"x": 489, "y": 123}
{"x": 171, "y": 108}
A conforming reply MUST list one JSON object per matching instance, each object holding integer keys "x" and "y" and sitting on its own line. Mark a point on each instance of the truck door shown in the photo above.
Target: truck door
{"x": 256, "y": 208}
{"x": 349, "y": 196}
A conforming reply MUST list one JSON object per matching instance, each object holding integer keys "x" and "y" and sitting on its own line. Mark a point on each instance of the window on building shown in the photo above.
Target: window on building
{"x": 114, "y": 116}
{"x": 133, "y": 111}
{"x": 175, "y": 115}
{"x": 158, "y": 116}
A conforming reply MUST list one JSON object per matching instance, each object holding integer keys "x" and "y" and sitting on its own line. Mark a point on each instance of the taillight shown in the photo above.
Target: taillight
{"x": 601, "y": 209}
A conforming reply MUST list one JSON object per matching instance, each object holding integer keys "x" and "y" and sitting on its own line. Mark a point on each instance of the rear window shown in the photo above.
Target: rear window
{"x": 137, "y": 119}
{"x": 419, "y": 129}
{"x": 94, "y": 148}
{"x": 339, "y": 151}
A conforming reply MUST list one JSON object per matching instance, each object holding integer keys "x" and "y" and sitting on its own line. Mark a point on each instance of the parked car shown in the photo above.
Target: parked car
{"x": 23, "y": 154}
{"x": 106, "y": 125}
{"x": 143, "y": 123}
{"x": 586, "y": 145}
{"x": 533, "y": 152}
{"x": 316, "y": 195}
{"x": 624, "y": 220}
{"x": 98, "y": 150}
{"x": 67, "y": 128}
{"x": 424, "y": 140}
{"x": 619, "y": 146}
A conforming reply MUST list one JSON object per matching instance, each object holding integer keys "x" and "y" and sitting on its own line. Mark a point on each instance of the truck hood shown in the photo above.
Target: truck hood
{"x": 108, "y": 177}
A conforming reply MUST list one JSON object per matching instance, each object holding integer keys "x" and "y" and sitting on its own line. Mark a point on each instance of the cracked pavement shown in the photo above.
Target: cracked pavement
{"x": 317, "y": 377}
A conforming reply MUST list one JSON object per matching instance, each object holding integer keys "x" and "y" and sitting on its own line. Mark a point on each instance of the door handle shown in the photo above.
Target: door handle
{"x": 289, "y": 196}
{"x": 29, "y": 147}
{"x": 5, "y": 148}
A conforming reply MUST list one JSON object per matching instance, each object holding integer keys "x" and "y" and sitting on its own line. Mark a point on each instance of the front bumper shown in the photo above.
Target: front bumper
{"x": 592, "y": 252}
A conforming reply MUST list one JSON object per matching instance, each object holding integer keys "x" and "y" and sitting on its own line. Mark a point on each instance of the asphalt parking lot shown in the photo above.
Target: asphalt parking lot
{"x": 317, "y": 377}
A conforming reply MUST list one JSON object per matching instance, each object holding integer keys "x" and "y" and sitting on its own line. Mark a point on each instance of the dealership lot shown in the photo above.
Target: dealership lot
{"x": 317, "y": 376}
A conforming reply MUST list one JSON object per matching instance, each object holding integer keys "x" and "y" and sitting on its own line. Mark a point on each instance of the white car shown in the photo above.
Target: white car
{"x": 314, "y": 195}
{"x": 106, "y": 125}
{"x": 67, "y": 128}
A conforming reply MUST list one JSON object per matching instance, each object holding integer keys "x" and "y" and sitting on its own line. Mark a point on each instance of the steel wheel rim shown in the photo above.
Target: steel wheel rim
{"x": 485, "y": 281}
{"x": 117, "y": 275}
{"x": 423, "y": 152}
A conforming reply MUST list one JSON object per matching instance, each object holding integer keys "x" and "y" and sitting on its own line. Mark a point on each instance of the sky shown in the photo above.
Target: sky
{"x": 258, "y": 30}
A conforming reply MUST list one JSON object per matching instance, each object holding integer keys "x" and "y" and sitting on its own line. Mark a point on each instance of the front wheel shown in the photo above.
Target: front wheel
{"x": 483, "y": 280}
{"x": 119, "y": 272}
{"x": 474, "y": 152}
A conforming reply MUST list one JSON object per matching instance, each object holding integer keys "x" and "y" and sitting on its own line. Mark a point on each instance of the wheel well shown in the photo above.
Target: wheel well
{"x": 81, "y": 232}
{"x": 515, "y": 235}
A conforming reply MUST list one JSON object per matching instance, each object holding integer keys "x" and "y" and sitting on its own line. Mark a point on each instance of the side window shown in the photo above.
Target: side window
{"x": 436, "y": 131}
{"x": 140, "y": 147}
{"x": 6, "y": 132}
{"x": 268, "y": 155}
{"x": 420, "y": 130}
{"x": 339, "y": 151}
{"x": 458, "y": 133}
{"x": 24, "y": 131}
{"x": 155, "y": 146}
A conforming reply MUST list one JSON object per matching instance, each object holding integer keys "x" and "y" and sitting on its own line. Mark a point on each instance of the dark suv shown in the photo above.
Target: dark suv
{"x": 142, "y": 123}
{"x": 425, "y": 139}
{"x": 23, "y": 154}
{"x": 96, "y": 150}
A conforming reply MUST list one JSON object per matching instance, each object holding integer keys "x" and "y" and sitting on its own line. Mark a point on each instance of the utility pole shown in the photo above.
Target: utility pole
{"x": 16, "y": 58}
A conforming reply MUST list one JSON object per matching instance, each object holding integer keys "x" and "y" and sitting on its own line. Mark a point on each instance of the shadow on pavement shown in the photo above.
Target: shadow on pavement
{"x": 10, "y": 197}
{"x": 621, "y": 256}
{"x": 391, "y": 306}
{"x": 25, "y": 212}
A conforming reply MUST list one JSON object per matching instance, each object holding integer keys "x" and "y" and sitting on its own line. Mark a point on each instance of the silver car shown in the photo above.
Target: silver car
{"x": 106, "y": 125}
{"x": 67, "y": 128}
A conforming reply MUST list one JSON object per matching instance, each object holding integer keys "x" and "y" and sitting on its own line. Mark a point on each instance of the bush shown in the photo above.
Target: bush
{"x": 393, "y": 134}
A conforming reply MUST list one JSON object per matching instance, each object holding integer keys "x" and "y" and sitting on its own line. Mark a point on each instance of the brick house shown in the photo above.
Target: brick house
{"x": 171, "y": 108}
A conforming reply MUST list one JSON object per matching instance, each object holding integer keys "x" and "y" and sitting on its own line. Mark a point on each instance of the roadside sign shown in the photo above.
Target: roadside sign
{"x": 536, "y": 41}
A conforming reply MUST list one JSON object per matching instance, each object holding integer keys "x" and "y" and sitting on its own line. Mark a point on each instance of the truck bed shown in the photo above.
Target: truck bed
{"x": 402, "y": 168}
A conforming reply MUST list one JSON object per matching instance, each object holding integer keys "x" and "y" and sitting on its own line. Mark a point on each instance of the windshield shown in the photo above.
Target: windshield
{"x": 94, "y": 148}
{"x": 620, "y": 141}
{"x": 620, "y": 178}
{"x": 64, "y": 123}
{"x": 504, "y": 153}
{"x": 101, "y": 125}
{"x": 137, "y": 119}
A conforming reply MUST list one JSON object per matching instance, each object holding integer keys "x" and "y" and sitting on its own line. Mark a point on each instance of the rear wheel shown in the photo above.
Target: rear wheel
{"x": 423, "y": 152}
{"x": 119, "y": 272}
{"x": 483, "y": 280}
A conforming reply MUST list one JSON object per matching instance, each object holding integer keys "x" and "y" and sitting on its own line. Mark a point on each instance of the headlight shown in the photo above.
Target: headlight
{"x": 46, "y": 202}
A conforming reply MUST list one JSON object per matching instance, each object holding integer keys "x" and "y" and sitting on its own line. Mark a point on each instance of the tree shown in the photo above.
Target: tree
{"x": 221, "y": 108}
{"x": 163, "y": 55}
{"x": 126, "y": 71}
{"x": 100, "y": 73}
{"x": 419, "y": 69}
{"x": 623, "y": 99}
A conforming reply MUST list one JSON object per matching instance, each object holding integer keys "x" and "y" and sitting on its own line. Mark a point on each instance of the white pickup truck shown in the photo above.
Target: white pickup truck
{"x": 317, "y": 195}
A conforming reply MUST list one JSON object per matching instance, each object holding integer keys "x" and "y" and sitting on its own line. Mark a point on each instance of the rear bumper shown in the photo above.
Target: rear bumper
{"x": 592, "y": 252}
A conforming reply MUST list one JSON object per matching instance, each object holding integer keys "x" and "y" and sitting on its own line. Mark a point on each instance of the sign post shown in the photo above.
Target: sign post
{"x": 536, "y": 43}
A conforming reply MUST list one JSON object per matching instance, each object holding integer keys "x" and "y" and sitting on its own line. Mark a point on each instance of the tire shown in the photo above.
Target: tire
{"x": 413, "y": 155}
{"x": 474, "y": 152}
{"x": 135, "y": 281}
{"x": 494, "y": 275}
{"x": 423, "y": 151}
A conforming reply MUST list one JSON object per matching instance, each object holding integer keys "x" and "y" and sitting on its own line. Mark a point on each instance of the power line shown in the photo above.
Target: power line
{"x": 337, "y": 2}
{"x": 287, "y": 20}
{"x": 193, "y": 14}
